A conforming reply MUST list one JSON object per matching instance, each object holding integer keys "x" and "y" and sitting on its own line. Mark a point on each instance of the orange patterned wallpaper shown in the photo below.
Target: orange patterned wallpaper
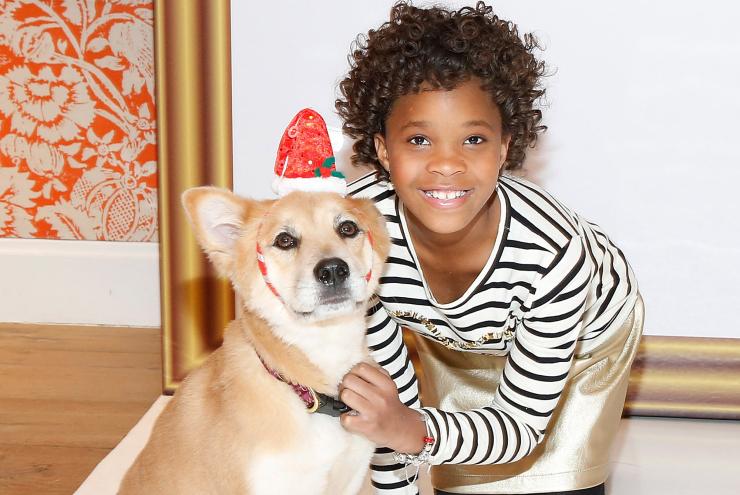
{"x": 77, "y": 140}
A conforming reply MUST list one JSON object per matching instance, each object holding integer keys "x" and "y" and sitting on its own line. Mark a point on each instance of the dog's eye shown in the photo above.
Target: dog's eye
{"x": 348, "y": 229}
{"x": 285, "y": 241}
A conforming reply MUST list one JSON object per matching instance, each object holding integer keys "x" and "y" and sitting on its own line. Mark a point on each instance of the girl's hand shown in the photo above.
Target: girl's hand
{"x": 379, "y": 414}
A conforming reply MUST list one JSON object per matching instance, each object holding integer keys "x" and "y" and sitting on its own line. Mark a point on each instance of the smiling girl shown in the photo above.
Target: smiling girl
{"x": 526, "y": 316}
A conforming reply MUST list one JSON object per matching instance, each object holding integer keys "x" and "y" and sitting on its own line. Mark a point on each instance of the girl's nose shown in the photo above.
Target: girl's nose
{"x": 446, "y": 163}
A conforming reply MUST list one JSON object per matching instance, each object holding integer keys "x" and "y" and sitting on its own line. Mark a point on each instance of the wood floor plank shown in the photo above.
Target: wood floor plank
{"x": 68, "y": 395}
{"x": 64, "y": 382}
{"x": 30, "y": 470}
{"x": 68, "y": 423}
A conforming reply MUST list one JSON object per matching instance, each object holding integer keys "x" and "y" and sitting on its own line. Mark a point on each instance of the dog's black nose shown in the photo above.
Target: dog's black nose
{"x": 331, "y": 271}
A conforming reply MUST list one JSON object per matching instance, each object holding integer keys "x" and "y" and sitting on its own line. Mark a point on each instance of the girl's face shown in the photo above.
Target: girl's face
{"x": 444, "y": 151}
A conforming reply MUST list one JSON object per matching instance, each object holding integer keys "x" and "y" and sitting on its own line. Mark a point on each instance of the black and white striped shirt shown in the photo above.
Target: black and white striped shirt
{"x": 553, "y": 286}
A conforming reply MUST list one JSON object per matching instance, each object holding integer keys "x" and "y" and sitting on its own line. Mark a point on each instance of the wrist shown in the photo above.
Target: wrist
{"x": 416, "y": 434}
{"x": 424, "y": 454}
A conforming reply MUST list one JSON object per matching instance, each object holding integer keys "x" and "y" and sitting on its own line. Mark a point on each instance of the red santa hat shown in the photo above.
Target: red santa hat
{"x": 305, "y": 160}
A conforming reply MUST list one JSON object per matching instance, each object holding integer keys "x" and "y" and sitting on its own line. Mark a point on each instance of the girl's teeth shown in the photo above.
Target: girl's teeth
{"x": 445, "y": 194}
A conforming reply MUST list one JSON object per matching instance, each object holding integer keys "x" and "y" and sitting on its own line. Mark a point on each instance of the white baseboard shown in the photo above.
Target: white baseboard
{"x": 79, "y": 282}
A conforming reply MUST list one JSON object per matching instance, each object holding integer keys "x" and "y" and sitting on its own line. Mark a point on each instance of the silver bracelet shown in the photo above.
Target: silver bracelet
{"x": 423, "y": 457}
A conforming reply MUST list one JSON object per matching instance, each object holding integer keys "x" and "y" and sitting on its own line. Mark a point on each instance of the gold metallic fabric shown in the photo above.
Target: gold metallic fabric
{"x": 575, "y": 451}
{"x": 193, "y": 79}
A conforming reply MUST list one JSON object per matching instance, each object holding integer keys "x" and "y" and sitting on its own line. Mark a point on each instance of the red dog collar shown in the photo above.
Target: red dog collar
{"x": 315, "y": 402}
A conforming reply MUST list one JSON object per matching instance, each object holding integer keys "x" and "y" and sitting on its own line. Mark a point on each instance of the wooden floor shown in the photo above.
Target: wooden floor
{"x": 67, "y": 397}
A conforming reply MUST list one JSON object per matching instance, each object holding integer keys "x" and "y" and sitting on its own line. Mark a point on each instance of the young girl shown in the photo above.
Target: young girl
{"x": 526, "y": 316}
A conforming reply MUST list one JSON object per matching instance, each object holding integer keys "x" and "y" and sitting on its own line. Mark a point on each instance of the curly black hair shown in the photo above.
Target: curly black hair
{"x": 441, "y": 48}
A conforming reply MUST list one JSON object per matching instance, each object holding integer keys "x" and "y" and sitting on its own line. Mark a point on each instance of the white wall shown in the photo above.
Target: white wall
{"x": 642, "y": 110}
{"x": 79, "y": 282}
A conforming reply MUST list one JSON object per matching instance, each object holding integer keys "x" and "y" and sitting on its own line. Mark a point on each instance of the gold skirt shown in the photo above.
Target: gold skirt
{"x": 576, "y": 449}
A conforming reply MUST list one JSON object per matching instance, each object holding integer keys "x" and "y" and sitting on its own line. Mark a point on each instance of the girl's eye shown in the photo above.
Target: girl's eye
{"x": 285, "y": 241}
{"x": 418, "y": 141}
{"x": 474, "y": 140}
{"x": 348, "y": 229}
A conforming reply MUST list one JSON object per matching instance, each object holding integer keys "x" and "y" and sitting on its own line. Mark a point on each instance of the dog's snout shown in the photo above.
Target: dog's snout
{"x": 331, "y": 271}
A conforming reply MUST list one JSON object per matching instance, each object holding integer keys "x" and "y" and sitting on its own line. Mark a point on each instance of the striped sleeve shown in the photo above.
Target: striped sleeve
{"x": 385, "y": 340}
{"x": 534, "y": 375}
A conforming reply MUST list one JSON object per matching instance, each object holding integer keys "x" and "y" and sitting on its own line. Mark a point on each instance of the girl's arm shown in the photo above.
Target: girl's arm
{"x": 532, "y": 381}
{"x": 534, "y": 375}
{"x": 386, "y": 344}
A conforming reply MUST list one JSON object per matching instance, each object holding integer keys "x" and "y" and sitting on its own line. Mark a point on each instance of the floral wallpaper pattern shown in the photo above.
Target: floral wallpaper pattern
{"x": 77, "y": 120}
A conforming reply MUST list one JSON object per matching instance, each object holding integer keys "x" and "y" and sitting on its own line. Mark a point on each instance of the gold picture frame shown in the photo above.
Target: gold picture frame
{"x": 193, "y": 80}
{"x": 685, "y": 377}
{"x": 691, "y": 377}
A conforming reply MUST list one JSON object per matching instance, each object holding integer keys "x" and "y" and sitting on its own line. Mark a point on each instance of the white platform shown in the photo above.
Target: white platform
{"x": 653, "y": 456}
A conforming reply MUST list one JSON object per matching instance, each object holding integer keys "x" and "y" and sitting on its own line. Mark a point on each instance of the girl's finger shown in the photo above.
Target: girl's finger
{"x": 354, "y": 400}
{"x": 352, "y": 422}
{"x": 371, "y": 373}
{"x": 352, "y": 381}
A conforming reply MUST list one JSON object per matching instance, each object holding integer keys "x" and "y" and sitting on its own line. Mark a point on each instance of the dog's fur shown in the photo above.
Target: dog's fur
{"x": 232, "y": 427}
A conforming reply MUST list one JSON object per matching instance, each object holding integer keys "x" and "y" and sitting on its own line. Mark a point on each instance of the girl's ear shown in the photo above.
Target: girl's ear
{"x": 505, "y": 141}
{"x": 382, "y": 151}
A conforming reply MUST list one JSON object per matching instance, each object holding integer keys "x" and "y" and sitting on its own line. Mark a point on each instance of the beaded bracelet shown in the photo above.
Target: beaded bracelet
{"x": 422, "y": 457}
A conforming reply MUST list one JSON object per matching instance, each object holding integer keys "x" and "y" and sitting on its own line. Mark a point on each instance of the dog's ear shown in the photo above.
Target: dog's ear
{"x": 369, "y": 216}
{"x": 218, "y": 218}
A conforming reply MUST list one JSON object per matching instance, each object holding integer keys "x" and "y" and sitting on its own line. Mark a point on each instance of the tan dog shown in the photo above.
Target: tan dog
{"x": 233, "y": 427}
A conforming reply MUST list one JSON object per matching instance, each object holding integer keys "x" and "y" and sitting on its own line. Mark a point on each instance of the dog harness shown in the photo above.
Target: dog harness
{"x": 263, "y": 270}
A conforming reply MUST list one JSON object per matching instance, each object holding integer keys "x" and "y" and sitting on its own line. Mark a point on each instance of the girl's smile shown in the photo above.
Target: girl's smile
{"x": 446, "y": 198}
